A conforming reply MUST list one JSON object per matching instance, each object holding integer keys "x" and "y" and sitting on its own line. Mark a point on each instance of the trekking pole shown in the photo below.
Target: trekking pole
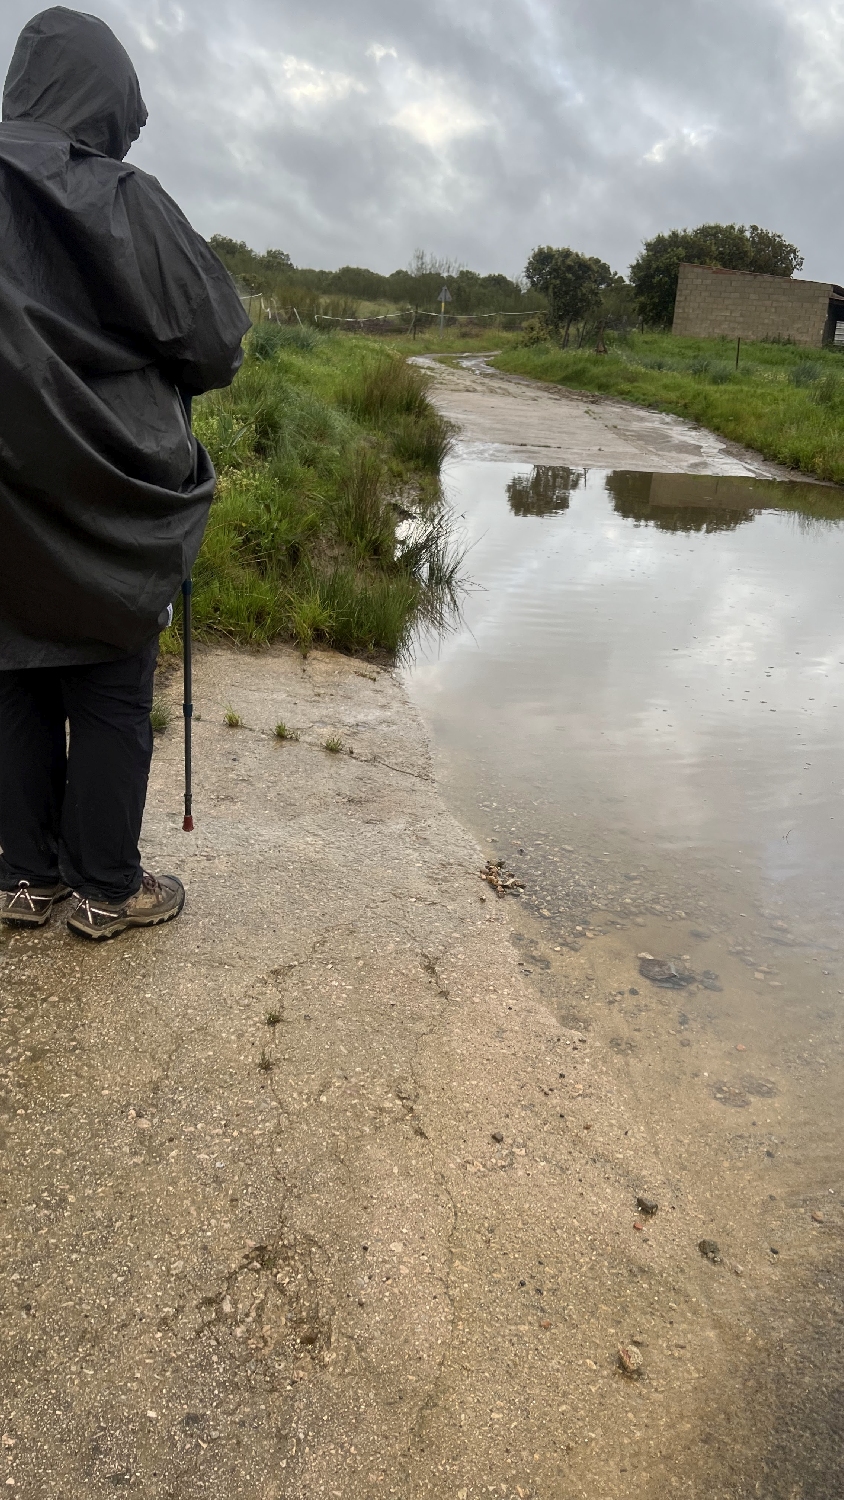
{"x": 187, "y": 665}
{"x": 187, "y": 704}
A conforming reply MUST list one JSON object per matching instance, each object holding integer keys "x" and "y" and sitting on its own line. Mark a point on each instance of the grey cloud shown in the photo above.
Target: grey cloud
{"x": 353, "y": 134}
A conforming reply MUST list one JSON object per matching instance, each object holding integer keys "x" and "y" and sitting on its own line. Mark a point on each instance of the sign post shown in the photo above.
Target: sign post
{"x": 445, "y": 296}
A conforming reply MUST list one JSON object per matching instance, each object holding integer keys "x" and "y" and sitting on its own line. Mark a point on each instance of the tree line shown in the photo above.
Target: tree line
{"x": 563, "y": 286}
{"x": 418, "y": 285}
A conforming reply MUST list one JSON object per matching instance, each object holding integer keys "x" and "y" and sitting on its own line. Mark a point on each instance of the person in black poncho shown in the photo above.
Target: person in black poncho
{"x": 113, "y": 312}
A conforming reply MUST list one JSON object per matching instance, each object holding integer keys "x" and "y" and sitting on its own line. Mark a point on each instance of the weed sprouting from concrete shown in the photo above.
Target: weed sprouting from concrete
{"x": 159, "y": 715}
{"x": 334, "y": 744}
{"x": 233, "y": 718}
{"x": 282, "y": 732}
{"x": 273, "y": 1018}
{"x": 265, "y": 1062}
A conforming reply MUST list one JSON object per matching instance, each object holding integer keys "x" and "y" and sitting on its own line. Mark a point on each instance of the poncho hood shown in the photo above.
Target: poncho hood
{"x": 70, "y": 71}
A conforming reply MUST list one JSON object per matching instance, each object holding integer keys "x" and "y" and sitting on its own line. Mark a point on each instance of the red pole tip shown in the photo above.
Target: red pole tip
{"x": 187, "y": 826}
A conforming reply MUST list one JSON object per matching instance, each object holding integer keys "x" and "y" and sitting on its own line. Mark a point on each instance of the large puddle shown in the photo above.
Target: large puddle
{"x": 650, "y": 671}
{"x": 641, "y": 715}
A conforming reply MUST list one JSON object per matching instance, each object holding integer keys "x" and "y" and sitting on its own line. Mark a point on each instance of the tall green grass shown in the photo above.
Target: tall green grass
{"x": 786, "y": 405}
{"x": 324, "y": 447}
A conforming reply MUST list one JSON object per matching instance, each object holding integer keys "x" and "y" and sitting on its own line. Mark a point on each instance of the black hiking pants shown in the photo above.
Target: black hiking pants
{"x": 71, "y": 805}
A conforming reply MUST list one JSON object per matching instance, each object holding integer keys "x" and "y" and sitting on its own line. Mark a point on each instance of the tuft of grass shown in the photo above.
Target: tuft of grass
{"x": 423, "y": 441}
{"x": 267, "y": 339}
{"x": 283, "y": 733}
{"x": 787, "y": 407}
{"x": 389, "y": 387}
{"x": 265, "y": 1062}
{"x": 233, "y": 718}
{"x": 334, "y": 744}
{"x": 364, "y": 518}
{"x": 159, "y": 715}
{"x": 805, "y": 373}
{"x": 273, "y": 1018}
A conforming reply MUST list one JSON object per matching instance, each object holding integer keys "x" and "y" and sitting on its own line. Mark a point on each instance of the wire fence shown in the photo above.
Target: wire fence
{"x": 261, "y": 308}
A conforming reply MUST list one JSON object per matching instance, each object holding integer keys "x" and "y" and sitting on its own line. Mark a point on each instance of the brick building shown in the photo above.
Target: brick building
{"x": 712, "y": 303}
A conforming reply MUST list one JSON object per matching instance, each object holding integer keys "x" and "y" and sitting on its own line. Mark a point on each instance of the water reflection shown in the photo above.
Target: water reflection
{"x": 545, "y": 491}
{"x": 679, "y": 502}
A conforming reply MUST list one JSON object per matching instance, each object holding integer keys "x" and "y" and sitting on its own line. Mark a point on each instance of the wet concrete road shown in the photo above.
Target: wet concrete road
{"x": 507, "y": 417}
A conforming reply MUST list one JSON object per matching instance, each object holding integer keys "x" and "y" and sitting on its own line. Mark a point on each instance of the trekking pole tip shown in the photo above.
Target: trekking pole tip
{"x": 187, "y": 825}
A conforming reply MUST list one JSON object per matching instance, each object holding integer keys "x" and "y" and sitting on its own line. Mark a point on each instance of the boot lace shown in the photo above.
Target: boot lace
{"x": 24, "y": 895}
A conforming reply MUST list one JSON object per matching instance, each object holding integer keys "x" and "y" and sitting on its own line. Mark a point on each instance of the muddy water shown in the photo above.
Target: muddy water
{"x": 642, "y": 715}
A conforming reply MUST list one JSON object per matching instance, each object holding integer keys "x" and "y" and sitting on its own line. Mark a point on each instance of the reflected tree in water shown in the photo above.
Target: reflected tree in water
{"x": 681, "y": 502}
{"x": 546, "y": 491}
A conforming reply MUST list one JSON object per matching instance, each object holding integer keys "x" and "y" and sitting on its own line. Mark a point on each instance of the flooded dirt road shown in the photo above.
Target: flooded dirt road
{"x": 642, "y": 715}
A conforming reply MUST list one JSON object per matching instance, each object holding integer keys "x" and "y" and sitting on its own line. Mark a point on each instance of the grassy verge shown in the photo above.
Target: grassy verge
{"x": 328, "y": 522}
{"x": 786, "y": 402}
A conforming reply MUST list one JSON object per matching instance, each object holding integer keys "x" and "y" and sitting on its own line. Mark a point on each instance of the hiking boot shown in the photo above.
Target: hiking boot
{"x": 160, "y": 899}
{"x": 31, "y": 905}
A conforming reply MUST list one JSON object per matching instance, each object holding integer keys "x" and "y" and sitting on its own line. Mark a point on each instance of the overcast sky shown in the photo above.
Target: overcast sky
{"x": 353, "y": 133}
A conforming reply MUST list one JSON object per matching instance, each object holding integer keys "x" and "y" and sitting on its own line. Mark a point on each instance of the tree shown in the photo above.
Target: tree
{"x": 655, "y": 271}
{"x": 571, "y": 282}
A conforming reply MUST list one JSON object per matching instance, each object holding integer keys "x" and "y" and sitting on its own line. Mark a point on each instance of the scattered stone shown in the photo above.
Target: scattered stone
{"x": 665, "y": 973}
{"x": 818, "y": 1217}
{"x": 498, "y": 1135}
{"x": 500, "y": 879}
{"x": 647, "y": 1205}
{"x": 710, "y": 1250}
{"x": 630, "y": 1360}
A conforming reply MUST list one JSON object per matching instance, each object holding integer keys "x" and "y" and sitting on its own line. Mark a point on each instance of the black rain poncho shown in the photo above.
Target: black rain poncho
{"x": 110, "y": 303}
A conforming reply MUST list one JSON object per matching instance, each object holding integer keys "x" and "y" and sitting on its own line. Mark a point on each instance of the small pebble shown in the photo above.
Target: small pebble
{"x": 498, "y": 1136}
{"x": 630, "y": 1359}
{"x": 647, "y": 1205}
{"x": 711, "y": 1250}
{"x": 637, "y": 1225}
{"x": 740, "y": 1047}
{"x": 818, "y": 1217}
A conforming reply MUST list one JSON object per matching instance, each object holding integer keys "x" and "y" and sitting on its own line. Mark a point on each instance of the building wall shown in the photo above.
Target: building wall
{"x": 745, "y": 304}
